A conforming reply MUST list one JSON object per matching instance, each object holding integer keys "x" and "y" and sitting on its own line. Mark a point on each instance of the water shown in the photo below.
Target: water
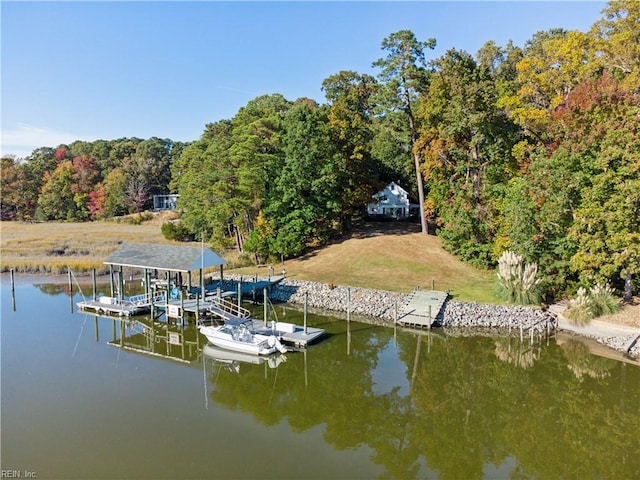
{"x": 79, "y": 400}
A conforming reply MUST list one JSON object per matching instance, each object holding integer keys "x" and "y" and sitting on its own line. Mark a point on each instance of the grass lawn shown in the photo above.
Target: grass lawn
{"x": 382, "y": 256}
{"x": 389, "y": 257}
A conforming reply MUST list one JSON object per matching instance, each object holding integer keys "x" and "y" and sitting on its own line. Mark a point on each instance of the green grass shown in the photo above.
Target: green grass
{"x": 385, "y": 257}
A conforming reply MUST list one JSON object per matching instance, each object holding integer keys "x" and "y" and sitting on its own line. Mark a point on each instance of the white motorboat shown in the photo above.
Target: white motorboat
{"x": 236, "y": 334}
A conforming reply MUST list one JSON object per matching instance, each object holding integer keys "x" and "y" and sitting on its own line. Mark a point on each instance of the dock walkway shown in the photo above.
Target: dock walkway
{"x": 289, "y": 333}
{"x": 423, "y": 308}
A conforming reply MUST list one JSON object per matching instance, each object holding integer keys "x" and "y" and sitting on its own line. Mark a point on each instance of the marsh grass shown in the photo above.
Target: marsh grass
{"x": 53, "y": 247}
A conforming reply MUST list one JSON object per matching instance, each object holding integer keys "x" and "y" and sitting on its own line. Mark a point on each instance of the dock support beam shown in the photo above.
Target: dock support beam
{"x": 266, "y": 299}
{"x": 93, "y": 278}
{"x": 306, "y": 309}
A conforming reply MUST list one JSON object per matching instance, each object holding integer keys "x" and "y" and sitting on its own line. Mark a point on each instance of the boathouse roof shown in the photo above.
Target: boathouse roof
{"x": 164, "y": 257}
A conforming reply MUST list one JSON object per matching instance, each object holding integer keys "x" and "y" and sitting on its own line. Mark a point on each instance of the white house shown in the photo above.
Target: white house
{"x": 392, "y": 202}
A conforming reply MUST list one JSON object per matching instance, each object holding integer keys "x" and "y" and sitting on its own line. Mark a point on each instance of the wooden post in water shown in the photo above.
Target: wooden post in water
{"x": 167, "y": 295}
{"x": 70, "y": 290}
{"x": 197, "y": 308}
{"x": 13, "y": 291}
{"x": 348, "y": 304}
{"x": 266, "y": 312}
{"x": 521, "y": 333}
{"x": 433, "y": 285}
{"x": 531, "y": 333}
{"x": 111, "y": 280}
{"x": 239, "y": 294}
{"x": 306, "y": 310}
{"x": 120, "y": 284}
{"x": 93, "y": 282}
{"x": 430, "y": 318}
{"x": 182, "y": 306}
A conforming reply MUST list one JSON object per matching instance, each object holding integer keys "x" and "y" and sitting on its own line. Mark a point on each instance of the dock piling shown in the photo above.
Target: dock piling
{"x": 13, "y": 291}
{"x": 306, "y": 309}
{"x": 266, "y": 311}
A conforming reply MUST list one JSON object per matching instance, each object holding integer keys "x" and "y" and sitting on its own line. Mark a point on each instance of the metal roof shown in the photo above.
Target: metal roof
{"x": 164, "y": 257}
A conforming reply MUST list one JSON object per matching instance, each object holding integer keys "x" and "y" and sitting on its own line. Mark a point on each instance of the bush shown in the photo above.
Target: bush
{"x": 580, "y": 311}
{"x": 177, "y": 231}
{"x": 599, "y": 300}
{"x": 517, "y": 283}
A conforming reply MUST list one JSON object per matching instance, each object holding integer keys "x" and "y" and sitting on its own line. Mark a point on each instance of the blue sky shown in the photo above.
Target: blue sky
{"x": 105, "y": 70}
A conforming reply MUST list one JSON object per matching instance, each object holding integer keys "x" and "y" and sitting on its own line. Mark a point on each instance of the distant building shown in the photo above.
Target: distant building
{"x": 392, "y": 202}
{"x": 165, "y": 202}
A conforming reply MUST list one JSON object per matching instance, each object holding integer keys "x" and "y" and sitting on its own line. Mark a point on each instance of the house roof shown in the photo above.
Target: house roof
{"x": 164, "y": 257}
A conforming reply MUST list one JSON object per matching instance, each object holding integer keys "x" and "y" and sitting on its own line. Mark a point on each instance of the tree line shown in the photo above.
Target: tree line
{"x": 532, "y": 149}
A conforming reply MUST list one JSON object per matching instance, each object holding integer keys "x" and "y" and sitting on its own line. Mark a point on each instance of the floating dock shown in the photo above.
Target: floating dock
{"x": 136, "y": 305}
{"x": 289, "y": 333}
{"x": 423, "y": 308}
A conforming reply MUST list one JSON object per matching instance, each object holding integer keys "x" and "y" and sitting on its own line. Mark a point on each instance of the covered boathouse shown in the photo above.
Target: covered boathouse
{"x": 168, "y": 279}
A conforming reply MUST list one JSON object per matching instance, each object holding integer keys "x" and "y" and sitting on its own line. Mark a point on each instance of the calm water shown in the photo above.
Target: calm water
{"x": 86, "y": 397}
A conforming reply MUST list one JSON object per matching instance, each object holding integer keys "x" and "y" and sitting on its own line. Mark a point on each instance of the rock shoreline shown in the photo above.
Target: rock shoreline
{"x": 382, "y": 306}
{"x": 379, "y": 307}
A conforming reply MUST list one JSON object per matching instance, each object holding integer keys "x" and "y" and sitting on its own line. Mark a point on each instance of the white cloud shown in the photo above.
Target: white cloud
{"x": 22, "y": 139}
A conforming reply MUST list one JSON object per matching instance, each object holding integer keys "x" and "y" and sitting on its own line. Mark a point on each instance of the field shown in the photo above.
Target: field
{"x": 52, "y": 247}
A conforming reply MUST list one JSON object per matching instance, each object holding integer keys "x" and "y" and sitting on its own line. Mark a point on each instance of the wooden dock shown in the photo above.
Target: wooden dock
{"x": 423, "y": 308}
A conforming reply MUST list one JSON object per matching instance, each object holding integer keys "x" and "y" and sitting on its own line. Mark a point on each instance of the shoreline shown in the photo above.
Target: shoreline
{"x": 379, "y": 307}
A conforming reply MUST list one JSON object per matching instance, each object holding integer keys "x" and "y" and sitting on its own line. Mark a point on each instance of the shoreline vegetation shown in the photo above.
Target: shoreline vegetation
{"x": 393, "y": 258}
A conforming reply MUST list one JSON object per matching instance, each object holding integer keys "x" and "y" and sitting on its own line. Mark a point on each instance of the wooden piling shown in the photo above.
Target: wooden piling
{"x": 306, "y": 309}
{"x": 265, "y": 298}
{"x": 93, "y": 282}
{"x": 13, "y": 291}
{"x": 70, "y": 291}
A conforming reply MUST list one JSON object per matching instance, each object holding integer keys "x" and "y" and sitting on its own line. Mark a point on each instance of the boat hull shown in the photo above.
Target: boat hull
{"x": 256, "y": 345}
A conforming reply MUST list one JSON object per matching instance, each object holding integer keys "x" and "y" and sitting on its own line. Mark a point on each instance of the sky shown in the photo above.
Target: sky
{"x": 105, "y": 70}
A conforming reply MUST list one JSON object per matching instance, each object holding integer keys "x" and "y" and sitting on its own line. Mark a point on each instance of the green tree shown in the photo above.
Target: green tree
{"x": 350, "y": 118}
{"x": 15, "y": 198}
{"x": 403, "y": 76}
{"x": 305, "y": 207}
{"x": 598, "y": 121}
{"x": 617, "y": 41}
{"x": 56, "y": 199}
{"x": 466, "y": 142}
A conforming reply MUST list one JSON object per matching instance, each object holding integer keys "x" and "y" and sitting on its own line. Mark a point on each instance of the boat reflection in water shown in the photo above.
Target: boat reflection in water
{"x": 232, "y": 360}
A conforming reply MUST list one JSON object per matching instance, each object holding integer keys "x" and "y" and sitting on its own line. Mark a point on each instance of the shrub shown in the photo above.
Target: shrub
{"x": 598, "y": 300}
{"x": 603, "y": 299}
{"x": 177, "y": 231}
{"x": 517, "y": 282}
{"x": 580, "y": 311}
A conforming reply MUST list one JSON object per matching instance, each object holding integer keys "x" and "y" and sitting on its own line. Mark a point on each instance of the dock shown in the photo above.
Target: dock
{"x": 423, "y": 308}
{"x": 289, "y": 333}
{"x": 122, "y": 307}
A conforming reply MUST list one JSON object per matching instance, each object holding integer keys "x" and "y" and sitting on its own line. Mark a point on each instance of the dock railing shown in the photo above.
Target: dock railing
{"x": 147, "y": 298}
{"x": 226, "y": 309}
